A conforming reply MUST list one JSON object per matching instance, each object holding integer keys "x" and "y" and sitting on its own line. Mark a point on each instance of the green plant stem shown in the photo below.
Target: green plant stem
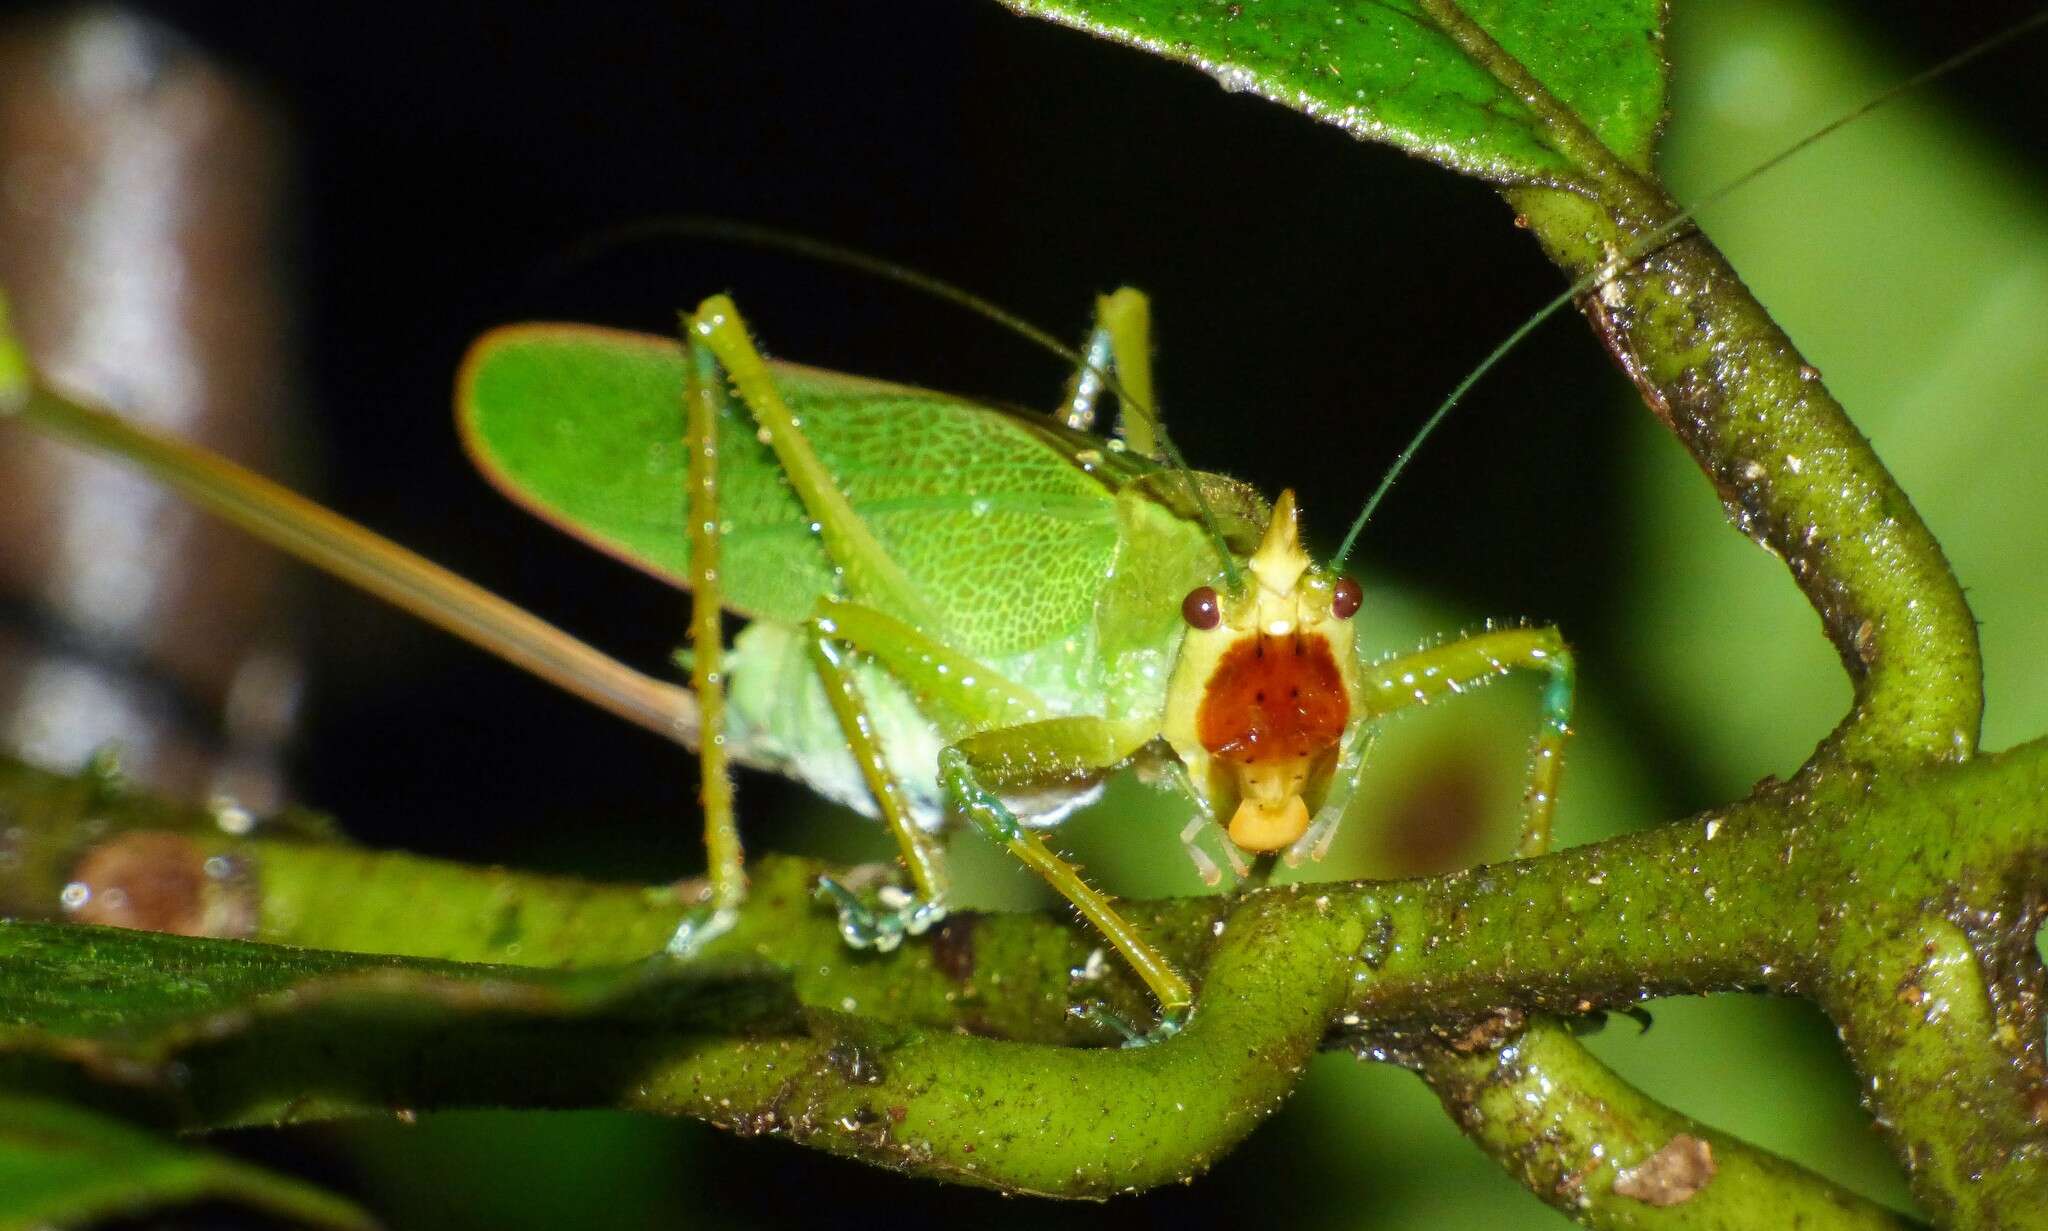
{"x": 1669, "y": 910}
{"x": 1799, "y": 479}
{"x": 1903, "y": 982}
{"x": 1791, "y": 469}
{"x": 1794, "y": 475}
{"x": 1293, "y": 968}
{"x": 1567, "y": 1128}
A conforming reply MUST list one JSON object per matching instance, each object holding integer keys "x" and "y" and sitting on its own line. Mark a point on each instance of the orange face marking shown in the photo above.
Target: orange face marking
{"x": 1273, "y": 698}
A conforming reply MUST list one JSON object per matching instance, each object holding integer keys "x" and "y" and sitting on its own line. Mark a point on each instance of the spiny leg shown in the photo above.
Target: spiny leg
{"x": 864, "y": 928}
{"x": 1011, "y": 745}
{"x": 1426, "y": 676}
{"x": 867, "y": 571}
{"x": 870, "y": 574}
{"x": 705, "y": 399}
{"x": 1089, "y": 382}
{"x": 958, "y": 694}
{"x": 971, "y": 772}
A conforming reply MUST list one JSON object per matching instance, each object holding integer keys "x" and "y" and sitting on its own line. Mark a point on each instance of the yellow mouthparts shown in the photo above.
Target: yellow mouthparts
{"x": 1270, "y": 814}
{"x": 1261, "y": 827}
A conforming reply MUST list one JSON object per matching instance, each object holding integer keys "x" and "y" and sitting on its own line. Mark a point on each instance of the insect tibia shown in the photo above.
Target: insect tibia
{"x": 1088, "y": 385}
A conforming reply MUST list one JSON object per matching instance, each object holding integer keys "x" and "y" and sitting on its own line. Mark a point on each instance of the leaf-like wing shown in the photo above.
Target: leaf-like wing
{"x": 1003, "y": 528}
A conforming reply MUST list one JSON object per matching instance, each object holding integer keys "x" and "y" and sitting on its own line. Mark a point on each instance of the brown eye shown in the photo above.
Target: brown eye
{"x": 1199, "y": 608}
{"x": 1346, "y": 598}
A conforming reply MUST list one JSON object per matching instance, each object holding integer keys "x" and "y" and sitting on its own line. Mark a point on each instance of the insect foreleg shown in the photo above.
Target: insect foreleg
{"x": 1426, "y": 676}
{"x": 973, "y": 770}
{"x": 704, "y": 399}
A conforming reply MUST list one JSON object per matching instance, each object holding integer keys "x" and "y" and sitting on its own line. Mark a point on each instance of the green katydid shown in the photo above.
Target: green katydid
{"x": 958, "y": 609}
{"x": 988, "y": 631}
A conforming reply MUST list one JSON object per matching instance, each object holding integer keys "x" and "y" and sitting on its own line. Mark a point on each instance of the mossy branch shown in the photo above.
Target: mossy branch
{"x": 1364, "y": 966}
{"x": 1797, "y": 478}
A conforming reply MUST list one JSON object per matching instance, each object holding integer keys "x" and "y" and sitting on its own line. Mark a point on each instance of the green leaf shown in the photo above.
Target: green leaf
{"x": 1384, "y": 72}
{"x": 583, "y": 426}
{"x": 237, "y": 1031}
{"x": 61, "y": 1164}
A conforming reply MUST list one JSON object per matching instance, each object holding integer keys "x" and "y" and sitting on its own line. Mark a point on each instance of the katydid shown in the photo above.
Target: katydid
{"x": 959, "y": 610}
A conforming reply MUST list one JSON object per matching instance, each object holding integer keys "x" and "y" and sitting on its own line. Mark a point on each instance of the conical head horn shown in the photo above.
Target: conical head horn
{"x": 1280, "y": 560}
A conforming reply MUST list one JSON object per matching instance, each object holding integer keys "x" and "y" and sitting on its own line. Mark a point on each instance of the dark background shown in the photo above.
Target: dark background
{"x": 1313, "y": 298}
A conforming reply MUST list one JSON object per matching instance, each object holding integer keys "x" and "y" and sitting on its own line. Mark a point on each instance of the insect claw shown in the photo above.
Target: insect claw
{"x": 1314, "y": 844}
{"x": 857, "y": 925}
{"x": 1097, "y": 1014}
{"x": 1170, "y": 1024}
{"x": 922, "y": 916}
{"x": 863, "y": 927}
{"x": 699, "y": 928}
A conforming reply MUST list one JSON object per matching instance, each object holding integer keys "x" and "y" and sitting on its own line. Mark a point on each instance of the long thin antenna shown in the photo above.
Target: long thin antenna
{"x": 1657, "y": 238}
{"x": 730, "y": 230}
{"x": 735, "y": 231}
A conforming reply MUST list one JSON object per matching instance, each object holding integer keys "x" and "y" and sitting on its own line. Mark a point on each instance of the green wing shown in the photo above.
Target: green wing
{"x": 991, "y": 514}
